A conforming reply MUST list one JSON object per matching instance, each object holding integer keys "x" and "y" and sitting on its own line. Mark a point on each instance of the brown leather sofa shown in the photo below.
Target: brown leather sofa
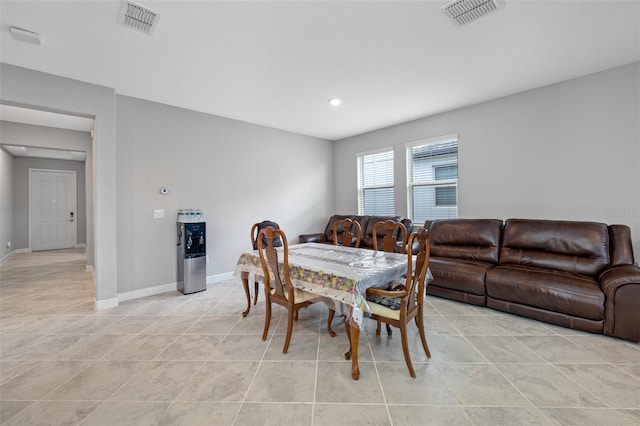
{"x": 366, "y": 223}
{"x": 575, "y": 274}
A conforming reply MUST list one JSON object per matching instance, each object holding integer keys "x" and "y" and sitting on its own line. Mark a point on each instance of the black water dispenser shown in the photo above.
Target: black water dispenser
{"x": 192, "y": 252}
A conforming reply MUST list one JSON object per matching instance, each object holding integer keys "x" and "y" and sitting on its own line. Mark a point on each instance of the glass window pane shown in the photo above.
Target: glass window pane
{"x": 446, "y": 172}
{"x": 378, "y": 202}
{"x": 425, "y": 205}
{"x": 445, "y": 196}
{"x": 376, "y": 189}
{"x": 431, "y": 163}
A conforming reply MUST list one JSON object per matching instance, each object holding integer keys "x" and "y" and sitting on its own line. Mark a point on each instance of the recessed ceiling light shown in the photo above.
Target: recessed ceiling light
{"x": 335, "y": 101}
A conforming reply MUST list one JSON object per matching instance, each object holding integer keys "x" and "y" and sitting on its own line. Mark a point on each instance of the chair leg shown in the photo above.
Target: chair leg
{"x": 389, "y": 332}
{"x": 289, "y": 328}
{"x": 329, "y": 320}
{"x": 255, "y": 293}
{"x": 378, "y": 327}
{"x": 405, "y": 349}
{"x": 267, "y": 319}
{"x": 423, "y": 338}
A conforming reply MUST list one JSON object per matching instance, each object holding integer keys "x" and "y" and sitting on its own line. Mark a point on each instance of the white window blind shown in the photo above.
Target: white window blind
{"x": 433, "y": 179}
{"x": 375, "y": 184}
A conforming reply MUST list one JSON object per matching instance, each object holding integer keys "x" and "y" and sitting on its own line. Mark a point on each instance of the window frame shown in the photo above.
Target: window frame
{"x": 435, "y": 183}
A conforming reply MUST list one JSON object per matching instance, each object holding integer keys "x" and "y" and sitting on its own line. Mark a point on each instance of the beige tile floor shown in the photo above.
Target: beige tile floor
{"x": 172, "y": 359}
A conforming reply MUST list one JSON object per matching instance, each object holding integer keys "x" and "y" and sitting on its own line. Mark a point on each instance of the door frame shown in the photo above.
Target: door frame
{"x": 75, "y": 175}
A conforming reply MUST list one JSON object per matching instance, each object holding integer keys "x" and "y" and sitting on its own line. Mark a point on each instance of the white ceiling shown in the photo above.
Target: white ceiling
{"x": 45, "y": 118}
{"x": 49, "y": 119}
{"x": 277, "y": 63}
{"x": 32, "y": 151}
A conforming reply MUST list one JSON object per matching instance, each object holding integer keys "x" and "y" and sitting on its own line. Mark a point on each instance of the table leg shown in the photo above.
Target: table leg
{"x": 353, "y": 331}
{"x": 245, "y": 285}
{"x": 355, "y": 340}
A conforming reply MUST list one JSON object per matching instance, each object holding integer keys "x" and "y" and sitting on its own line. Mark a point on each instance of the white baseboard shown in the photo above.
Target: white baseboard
{"x": 105, "y": 304}
{"x": 212, "y": 279}
{"x": 24, "y": 250}
{"x": 149, "y": 291}
{"x": 89, "y": 268}
{"x": 80, "y": 245}
{"x": 7, "y": 256}
{"x": 152, "y": 291}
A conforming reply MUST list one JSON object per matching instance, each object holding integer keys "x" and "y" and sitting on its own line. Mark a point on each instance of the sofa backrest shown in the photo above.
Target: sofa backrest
{"x": 620, "y": 247}
{"x": 473, "y": 239}
{"x": 571, "y": 246}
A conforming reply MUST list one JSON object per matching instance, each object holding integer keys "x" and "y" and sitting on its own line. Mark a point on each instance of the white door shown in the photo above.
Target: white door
{"x": 53, "y": 209}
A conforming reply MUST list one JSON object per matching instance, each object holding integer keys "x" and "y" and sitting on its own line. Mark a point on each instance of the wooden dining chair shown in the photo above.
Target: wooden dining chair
{"x": 255, "y": 229}
{"x": 351, "y": 235}
{"x": 277, "y": 281}
{"x": 394, "y": 238}
{"x": 348, "y": 234}
{"x": 403, "y": 302}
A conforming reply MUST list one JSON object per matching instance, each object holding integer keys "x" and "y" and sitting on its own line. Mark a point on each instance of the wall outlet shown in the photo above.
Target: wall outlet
{"x": 158, "y": 214}
{"x": 8, "y": 244}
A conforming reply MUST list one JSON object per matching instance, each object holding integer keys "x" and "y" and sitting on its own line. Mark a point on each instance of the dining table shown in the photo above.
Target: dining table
{"x": 340, "y": 275}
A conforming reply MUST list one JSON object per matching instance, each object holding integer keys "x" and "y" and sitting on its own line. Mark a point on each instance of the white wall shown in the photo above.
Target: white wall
{"x": 238, "y": 173}
{"x": 569, "y": 151}
{"x": 6, "y": 203}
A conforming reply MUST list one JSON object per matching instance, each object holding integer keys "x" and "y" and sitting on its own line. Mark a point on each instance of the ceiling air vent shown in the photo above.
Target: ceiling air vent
{"x": 465, "y": 11}
{"x": 137, "y": 17}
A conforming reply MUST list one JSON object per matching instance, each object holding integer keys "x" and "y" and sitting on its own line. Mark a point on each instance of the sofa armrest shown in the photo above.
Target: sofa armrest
{"x": 621, "y": 287}
{"x": 312, "y": 238}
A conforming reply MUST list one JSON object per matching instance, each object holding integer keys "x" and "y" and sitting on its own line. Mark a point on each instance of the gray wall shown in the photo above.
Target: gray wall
{"x": 566, "y": 151}
{"x": 6, "y": 203}
{"x": 29, "y": 88}
{"x": 21, "y": 195}
{"x": 238, "y": 173}
{"x": 46, "y": 137}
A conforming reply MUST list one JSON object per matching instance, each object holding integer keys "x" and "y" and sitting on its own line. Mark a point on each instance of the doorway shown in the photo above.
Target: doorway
{"x": 52, "y": 209}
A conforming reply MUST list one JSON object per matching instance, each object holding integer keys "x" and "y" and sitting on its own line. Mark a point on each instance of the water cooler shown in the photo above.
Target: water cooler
{"x": 192, "y": 251}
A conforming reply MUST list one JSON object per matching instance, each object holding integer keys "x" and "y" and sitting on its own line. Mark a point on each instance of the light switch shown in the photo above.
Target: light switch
{"x": 158, "y": 214}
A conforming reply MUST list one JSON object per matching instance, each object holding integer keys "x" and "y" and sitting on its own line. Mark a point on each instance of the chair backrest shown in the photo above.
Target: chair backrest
{"x": 392, "y": 233}
{"x": 415, "y": 285}
{"x": 347, "y": 226}
{"x": 257, "y": 227}
{"x": 275, "y": 277}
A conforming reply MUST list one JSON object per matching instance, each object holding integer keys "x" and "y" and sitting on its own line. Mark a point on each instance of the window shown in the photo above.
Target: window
{"x": 375, "y": 184}
{"x": 433, "y": 178}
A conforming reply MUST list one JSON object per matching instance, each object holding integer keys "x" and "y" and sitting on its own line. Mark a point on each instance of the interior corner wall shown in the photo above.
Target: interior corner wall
{"x": 568, "y": 151}
{"x": 6, "y": 204}
{"x": 33, "y": 89}
{"x": 238, "y": 173}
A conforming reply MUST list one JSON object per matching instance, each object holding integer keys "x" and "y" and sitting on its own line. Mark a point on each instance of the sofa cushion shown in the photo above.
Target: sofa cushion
{"x": 471, "y": 239}
{"x": 459, "y": 274}
{"x": 364, "y": 222}
{"x": 576, "y": 247}
{"x": 552, "y": 290}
